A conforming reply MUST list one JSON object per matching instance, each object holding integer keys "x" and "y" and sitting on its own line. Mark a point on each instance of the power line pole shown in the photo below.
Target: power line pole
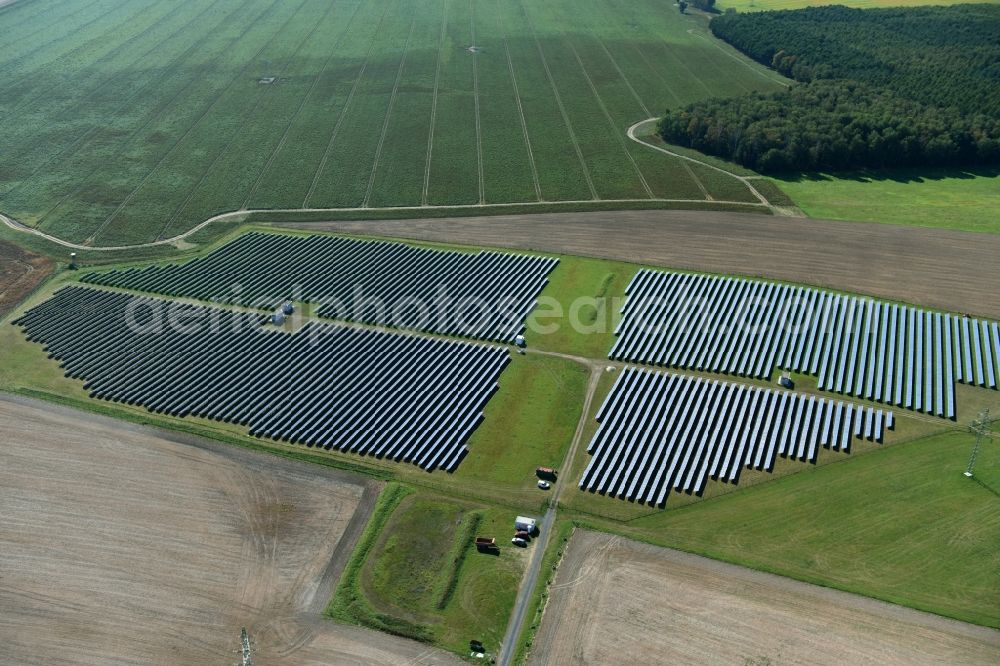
{"x": 245, "y": 641}
{"x": 981, "y": 428}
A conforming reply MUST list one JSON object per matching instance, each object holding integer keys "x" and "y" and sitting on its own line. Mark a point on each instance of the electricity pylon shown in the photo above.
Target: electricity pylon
{"x": 981, "y": 428}
{"x": 245, "y": 648}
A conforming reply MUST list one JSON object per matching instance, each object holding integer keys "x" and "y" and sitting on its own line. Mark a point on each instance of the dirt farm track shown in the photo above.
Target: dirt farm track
{"x": 950, "y": 270}
{"x": 616, "y": 601}
{"x": 121, "y": 544}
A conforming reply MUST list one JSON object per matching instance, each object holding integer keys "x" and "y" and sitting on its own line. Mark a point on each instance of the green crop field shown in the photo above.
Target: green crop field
{"x": 128, "y": 122}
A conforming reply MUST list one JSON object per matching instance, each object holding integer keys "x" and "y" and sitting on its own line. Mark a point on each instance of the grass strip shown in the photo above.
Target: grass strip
{"x": 459, "y": 550}
{"x": 349, "y": 604}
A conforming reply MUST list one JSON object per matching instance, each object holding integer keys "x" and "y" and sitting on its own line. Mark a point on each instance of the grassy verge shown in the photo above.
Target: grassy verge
{"x": 349, "y": 603}
{"x": 285, "y": 217}
{"x": 459, "y": 551}
{"x": 965, "y": 200}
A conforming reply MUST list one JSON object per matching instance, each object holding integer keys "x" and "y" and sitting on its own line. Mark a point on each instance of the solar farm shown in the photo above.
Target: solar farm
{"x": 485, "y": 295}
{"x": 381, "y": 391}
{"x": 408, "y": 331}
{"x": 359, "y": 388}
{"x": 362, "y": 391}
{"x": 890, "y": 353}
{"x": 661, "y": 432}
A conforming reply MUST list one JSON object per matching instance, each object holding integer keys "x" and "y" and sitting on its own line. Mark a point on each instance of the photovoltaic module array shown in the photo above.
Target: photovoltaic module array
{"x": 392, "y": 395}
{"x": 870, "y": 349}
{"x": 483, "y": 295}
{"x": 661, "y": 432}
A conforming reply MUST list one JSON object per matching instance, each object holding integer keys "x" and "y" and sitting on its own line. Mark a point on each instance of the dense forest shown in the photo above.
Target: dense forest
{"x": 879, "y": 88}
{"x": 833, "y": 125}
{"x": 945, "y": 56}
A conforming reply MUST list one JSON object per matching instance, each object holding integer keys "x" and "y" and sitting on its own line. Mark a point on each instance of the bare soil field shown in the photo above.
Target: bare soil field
{"x": 950, "y": 270}
{"x": 125, "y": 544}
{"x": 20, "y": 272}
{"x": 622, "y": 602}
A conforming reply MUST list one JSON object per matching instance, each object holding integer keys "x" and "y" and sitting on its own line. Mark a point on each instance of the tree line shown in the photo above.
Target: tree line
{"x": 879, "y": 88}
{"x": 833, "y": 125}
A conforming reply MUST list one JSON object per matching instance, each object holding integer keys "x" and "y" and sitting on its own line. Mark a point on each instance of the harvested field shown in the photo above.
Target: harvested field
{"x": 618, "y": 601}
{"x": 20, "y": 272}
{"x": 951, "y": 270}
{"x": 124, "y": 544}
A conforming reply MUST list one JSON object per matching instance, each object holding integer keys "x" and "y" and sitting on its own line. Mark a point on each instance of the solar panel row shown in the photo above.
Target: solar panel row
{"x": 484, "y": 295}
{"x": 391, "y": 395}
{"x": 661, "y": 432}
{"x": 870, "y": 349}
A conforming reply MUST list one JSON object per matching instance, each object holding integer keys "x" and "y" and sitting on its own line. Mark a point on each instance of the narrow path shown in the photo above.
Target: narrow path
{"x": 632, "y": 134}
{"x": 509, "y": 646}
{"x": 669, "y": 88}
{"x": 743, "y": 179}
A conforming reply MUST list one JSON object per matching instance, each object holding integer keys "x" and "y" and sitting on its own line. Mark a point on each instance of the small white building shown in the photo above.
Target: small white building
{"x": 525, "y": 524}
